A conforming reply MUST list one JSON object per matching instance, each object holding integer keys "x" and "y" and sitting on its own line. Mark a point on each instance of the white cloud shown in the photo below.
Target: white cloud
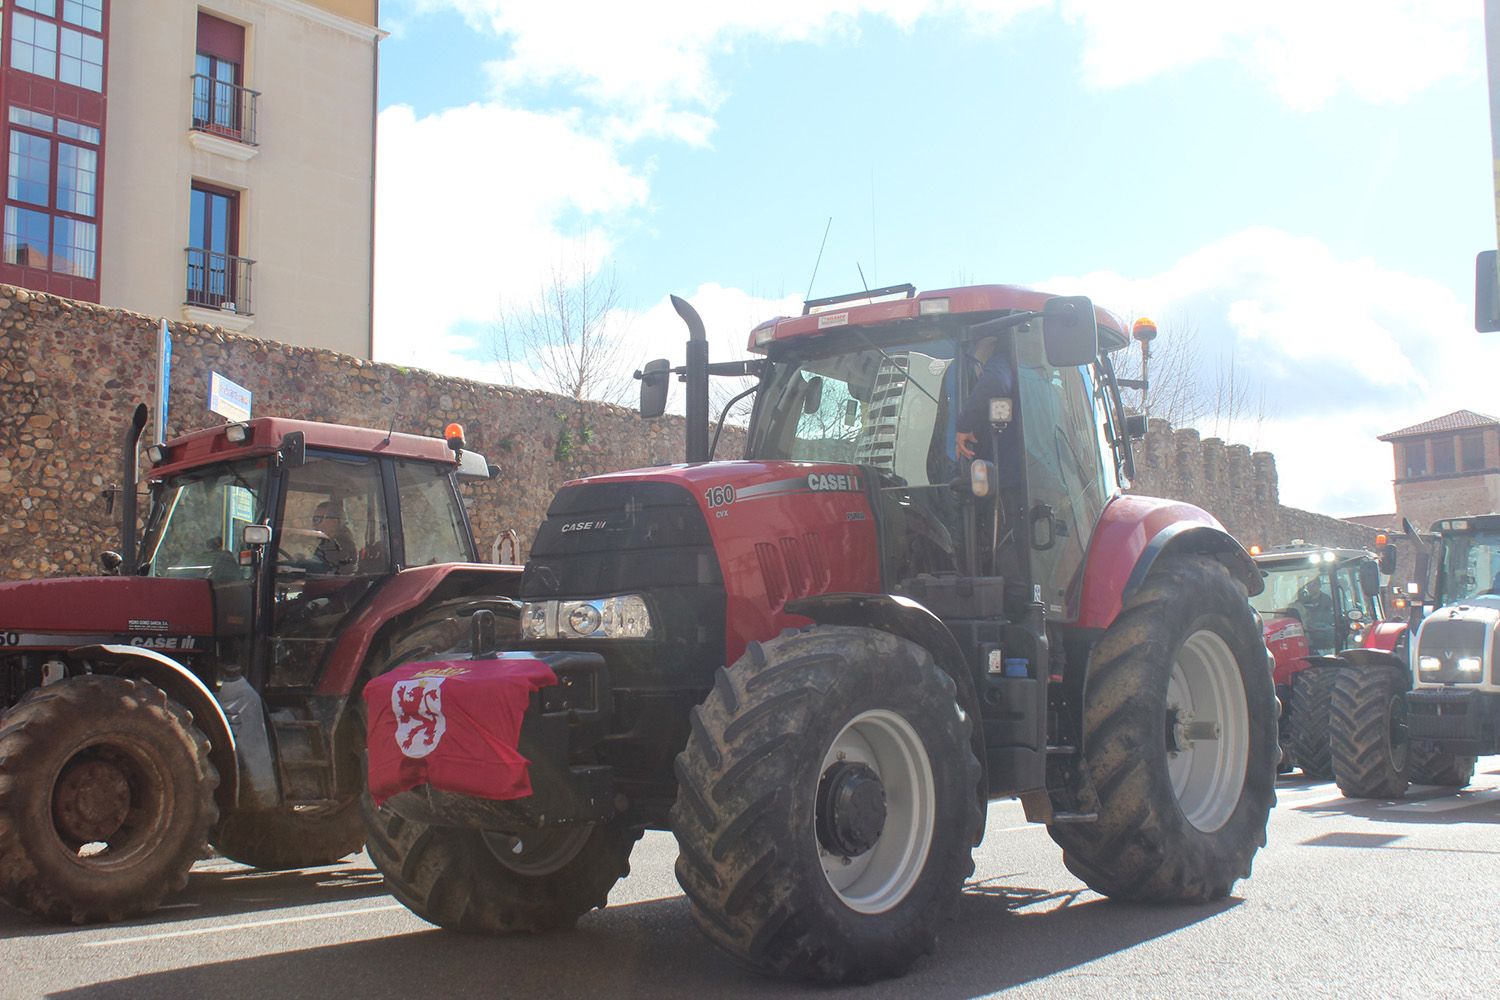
{"x": 1342, "y": 351}
{"x": 470, "y": 208}
{"x": 1380, "y": 51}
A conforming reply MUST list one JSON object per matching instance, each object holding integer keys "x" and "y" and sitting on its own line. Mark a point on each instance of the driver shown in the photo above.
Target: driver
{"x": 335, "y": 552}
{"x": 1317, "y": 615}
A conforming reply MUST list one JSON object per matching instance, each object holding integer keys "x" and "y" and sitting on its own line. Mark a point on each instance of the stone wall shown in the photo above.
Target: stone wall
{"x": 1237, "y": 486}
{"x": 72, "y": 372}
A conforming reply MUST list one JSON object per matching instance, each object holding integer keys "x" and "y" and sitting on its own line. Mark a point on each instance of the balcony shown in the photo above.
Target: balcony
{"x": 224, "y": 109}
{"x": 219, "y": 281}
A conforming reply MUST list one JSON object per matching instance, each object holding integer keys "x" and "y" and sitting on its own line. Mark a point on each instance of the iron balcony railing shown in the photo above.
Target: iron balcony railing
{"x": 222, "y": 108}
{"x": 219, "y": 281}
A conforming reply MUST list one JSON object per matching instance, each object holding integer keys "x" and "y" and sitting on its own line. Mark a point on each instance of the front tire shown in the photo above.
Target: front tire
{"x": 1446, "y": 770}
{"x": 278, "y": 839}
{"x": 1370, "y": 742}
{"x": 106, "y": 799}
{"x": 826, "y": 809}
{"x": 1312, "y": 699}
{"x": 1180, "y": 741}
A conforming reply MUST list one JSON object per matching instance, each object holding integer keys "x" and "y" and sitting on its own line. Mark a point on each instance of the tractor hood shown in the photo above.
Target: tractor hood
{"x": 76, "y": 611}
{"x": 766, "y": 532}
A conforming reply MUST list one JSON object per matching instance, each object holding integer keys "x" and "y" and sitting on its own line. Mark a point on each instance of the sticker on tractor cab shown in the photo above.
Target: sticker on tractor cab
{"x": 147, "y": 625}
{"x": 833, "y": 319}
{"x": 835, "y": 482}
{"x": 719, "y": 496}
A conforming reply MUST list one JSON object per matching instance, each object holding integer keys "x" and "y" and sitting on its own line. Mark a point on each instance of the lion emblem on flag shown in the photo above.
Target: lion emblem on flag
{"x": 418, "y": 704}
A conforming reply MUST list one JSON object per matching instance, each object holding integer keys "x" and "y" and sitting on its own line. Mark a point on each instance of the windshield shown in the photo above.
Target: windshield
{"x": 859, "y": 403}
{"x": 195, "y": 526}
{"x": 1284, "y": 585}
{"x": 1471, "y": 566}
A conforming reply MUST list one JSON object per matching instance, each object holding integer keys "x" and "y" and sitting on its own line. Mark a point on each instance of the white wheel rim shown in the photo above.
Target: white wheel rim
{"x": 881, "y": 877}
{"x": 1208, "y": 731}
{"x": 539, "y": 852}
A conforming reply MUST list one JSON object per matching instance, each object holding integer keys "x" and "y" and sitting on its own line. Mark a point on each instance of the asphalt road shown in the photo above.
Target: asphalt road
{"x": 1349, "y": 899}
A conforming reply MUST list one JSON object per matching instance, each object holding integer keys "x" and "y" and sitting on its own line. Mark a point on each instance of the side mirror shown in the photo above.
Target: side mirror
{"x": 1069, "y": 331}
{"x": 110, "y": 561}
{"x": 654, "y": 384}
{"x": 1135, "y": 425}
{"x": 252, "y": 535}
{"x": 1388, "y": 559}
{"x": 293, "y": 453}
{"x": 812, "y": 400}
{"x": 1486, "y": 293}
{"x": 1369, "y": 578}
{"x": 851, "y": 412}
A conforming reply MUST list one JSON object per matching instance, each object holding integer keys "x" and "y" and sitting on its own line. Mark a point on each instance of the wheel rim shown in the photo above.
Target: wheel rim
{"x": 883, "y": 747}
{"x": 538, "y": 853}
{"x": 1208, "y": 731}
{"x": 110, "y": 803}
{"x": 1398, "y": 736}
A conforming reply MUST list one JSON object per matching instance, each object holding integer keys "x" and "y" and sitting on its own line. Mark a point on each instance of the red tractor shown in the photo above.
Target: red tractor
{"x": 200, "y": 695}
{"x": 817, "y": 664}
{"x": 1317, "y": 602}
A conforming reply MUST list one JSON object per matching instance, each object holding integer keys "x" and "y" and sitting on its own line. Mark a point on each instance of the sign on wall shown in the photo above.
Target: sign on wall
{"x": 163, "y": 380}
{"x": 228, "y": 400}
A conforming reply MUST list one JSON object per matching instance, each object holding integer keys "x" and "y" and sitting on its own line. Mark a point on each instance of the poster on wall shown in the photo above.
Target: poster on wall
{"x": 163, "y": 380}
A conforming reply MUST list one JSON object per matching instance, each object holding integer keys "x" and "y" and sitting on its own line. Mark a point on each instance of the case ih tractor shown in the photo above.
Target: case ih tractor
{"x": 1422, "y": 712}
{"x": 200, "y": 695}
{"x": 817, "y": 664}
{"x": 1317, "y": 602}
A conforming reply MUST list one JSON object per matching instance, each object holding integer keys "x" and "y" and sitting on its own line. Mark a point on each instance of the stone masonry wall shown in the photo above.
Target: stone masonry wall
{"x": 71, "y": 372}
{"x": 1237, "y": 486}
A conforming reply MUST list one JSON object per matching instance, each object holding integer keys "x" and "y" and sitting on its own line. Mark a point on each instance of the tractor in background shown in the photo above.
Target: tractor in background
{"x": 1317, "y": 603}
{"x": 199, "y": 694}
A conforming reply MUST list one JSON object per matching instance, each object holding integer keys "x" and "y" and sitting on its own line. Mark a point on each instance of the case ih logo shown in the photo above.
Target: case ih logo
{"x": 418, "y": 704}
{"x": 163, "y": 641}
{"x": 841, "y": 482}
{"x": 583, "y": 526}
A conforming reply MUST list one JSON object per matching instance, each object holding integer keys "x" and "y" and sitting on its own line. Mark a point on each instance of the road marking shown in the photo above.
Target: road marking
{"x": 1023, "y": 826}
{"x": 219, "y": 928}
{"x": 1459, "y": 800}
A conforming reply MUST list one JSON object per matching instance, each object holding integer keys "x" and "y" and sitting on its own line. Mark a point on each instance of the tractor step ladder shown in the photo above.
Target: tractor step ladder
{"x": 302, "y": 758}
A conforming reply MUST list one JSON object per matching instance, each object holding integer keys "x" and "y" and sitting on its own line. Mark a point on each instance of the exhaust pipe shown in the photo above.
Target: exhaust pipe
{"x": 697, "y": 381}
{"x": 129, "y": 473}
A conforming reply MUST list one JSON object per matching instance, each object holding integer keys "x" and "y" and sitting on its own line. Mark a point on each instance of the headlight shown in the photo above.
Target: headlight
{"x": 1429, "y": 664}
{"x": 1469, "y": 664}
{"x": 622, "y": 617}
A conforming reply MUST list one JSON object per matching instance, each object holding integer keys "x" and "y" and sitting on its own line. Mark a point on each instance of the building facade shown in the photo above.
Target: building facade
{"x": 206, "y": 161}
{"x": 1447, "y": 467}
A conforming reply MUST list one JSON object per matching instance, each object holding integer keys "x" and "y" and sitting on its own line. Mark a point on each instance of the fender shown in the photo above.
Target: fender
{"x": 1370, "y": 658}
{"x": 1132, "y": 534}
{"x": 904, "y": 617}
{"x": 184, "y": 687}
{"x": 1384, "y": 636}
{"x": 409, "y": 589}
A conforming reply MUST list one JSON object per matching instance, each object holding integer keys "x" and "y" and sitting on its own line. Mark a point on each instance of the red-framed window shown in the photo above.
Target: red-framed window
{"x": 60, "y": 40}
{"x": 213, "y": 246}
{"x": 51, "y": 194}
{"x": 218, "y": 75}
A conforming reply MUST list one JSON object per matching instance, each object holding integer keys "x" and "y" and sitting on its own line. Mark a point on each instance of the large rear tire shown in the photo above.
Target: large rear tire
{"x": 1446, "y": 770}
{"x": 826, "y": 812}
{"x": 1180, "y": 741}
{"x": 1312, "y": 698}
{"x": 1370, "y": 742}
{"x": 106, "y": 799}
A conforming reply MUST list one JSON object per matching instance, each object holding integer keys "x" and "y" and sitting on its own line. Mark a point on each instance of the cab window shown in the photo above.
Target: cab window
{"x": 431, "y": 519}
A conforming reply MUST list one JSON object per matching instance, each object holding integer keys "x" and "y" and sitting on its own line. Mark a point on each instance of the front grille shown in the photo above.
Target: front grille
{"x": 1450, "y": 641}
{"x": 636, "y": 538}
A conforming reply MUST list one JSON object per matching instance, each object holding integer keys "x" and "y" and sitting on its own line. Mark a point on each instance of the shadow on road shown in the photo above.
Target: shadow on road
{"x": 1425, "y": 804}
{"x": 229, "y": 891}
{"x": 1002, "y": 935}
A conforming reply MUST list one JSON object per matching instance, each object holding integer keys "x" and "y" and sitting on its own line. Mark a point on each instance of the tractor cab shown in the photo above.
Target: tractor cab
{"x": 1326, "y": 596}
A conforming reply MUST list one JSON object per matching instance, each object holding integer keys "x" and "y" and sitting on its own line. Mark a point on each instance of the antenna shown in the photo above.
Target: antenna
{"x": 819, "y": 260}
{"x": 862, "y": 280}
{"x": 389, "y": 431}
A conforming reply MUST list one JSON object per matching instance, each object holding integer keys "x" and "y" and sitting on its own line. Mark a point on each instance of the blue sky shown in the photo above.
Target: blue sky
{"x": 1300, "y": 188}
